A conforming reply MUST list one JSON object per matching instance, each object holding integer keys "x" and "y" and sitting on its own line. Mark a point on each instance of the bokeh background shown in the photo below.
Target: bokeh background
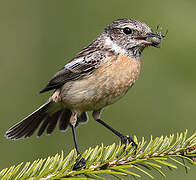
{"x": 38, "y": 37}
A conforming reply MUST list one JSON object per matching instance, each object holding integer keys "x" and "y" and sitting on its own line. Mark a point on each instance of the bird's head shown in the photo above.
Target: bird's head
{"x": 130, "y": 36}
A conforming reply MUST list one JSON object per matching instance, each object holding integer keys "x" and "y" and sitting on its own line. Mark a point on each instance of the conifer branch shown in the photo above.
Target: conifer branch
{"x": 113, "y": 160}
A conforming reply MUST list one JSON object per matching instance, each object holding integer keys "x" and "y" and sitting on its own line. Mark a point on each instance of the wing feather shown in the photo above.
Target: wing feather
{"x": 75, "y": 69}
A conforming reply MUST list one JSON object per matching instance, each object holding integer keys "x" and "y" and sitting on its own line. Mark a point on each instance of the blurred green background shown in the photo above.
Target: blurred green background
{"x": 38, "y": 37}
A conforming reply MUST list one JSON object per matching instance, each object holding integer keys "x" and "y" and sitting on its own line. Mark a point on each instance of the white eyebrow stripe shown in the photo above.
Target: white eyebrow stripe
{"x": 113, "y": 46}
{"x": 71, "y": 64}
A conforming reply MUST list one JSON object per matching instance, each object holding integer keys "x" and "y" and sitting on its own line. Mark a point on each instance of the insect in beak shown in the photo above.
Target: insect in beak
{"x": 157, "y": 37}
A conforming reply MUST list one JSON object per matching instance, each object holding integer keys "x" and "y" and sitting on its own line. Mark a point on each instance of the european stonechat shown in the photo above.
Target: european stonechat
{"x": 96, "y": 77}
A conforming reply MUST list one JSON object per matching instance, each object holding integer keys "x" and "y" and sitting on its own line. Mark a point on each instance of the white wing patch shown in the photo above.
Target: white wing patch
{"x": 73, "y": 63}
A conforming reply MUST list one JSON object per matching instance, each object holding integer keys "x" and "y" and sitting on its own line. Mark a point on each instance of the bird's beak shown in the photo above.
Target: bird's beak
{"x": 152, "y": 39}
{"x": 154, "y": 35}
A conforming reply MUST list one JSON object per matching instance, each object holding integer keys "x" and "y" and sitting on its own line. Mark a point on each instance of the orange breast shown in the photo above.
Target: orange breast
{"x": 118, "y": 74}
{"x": 104, "y": 86}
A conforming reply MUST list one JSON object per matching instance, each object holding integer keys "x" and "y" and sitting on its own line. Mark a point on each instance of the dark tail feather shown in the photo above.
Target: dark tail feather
{"x": 52, "y": 122}
{"x": 29, "y": 132}
{"x": 43, "y": 127}
{"x": 27, "y": 126}
{"x": 83, "y": 118}
{"x": 49, "y": 123}
{"x": 64, "y": 119}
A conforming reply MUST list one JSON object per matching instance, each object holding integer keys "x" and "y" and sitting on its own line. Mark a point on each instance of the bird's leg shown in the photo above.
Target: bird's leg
{"x": 124, "y": 139}
{"x": 80, "y": 162}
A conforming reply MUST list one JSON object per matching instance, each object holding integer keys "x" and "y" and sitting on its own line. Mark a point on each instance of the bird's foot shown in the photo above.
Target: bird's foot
{"x": 128, "y": 139}
{"x": 80, "y": 162}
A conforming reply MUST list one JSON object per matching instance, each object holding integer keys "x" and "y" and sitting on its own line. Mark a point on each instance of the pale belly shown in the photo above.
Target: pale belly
{"x": 104, "y": 86}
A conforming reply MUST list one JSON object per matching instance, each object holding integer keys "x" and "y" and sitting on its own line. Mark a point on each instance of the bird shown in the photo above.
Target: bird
{"x": 98, "y": 76}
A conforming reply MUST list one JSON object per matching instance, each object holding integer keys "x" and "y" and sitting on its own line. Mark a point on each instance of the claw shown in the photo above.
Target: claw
{"x": 125, "y": 139}
{"x": 80, "y": 162}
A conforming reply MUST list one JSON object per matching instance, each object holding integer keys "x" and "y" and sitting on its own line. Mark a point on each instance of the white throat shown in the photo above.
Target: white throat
{"x": 114, "y": 47}
{"x": 134, "y": 52}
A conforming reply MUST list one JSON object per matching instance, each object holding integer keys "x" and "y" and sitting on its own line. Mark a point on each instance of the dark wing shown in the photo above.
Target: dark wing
{"x": 76, "y": 69}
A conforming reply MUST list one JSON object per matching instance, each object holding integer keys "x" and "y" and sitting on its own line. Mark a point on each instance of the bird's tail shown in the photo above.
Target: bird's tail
{"x": 41, "y": 117}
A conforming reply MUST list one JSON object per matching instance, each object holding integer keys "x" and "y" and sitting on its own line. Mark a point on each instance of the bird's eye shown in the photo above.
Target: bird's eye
{"x": 127, "y": 30}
